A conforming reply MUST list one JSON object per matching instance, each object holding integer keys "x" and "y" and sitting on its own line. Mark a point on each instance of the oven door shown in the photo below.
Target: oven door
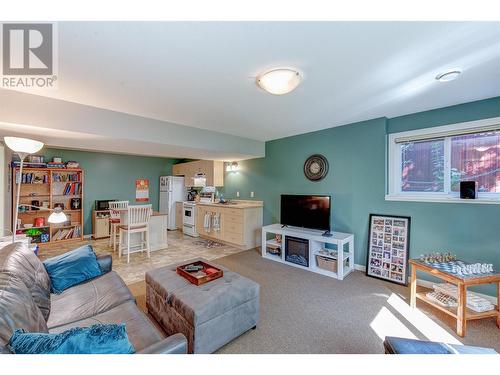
{"x": 188, "y": 216}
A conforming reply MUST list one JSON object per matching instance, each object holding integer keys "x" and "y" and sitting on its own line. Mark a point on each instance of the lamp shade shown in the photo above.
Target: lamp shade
{"x": 279, "y": 81}
{"x": 57, "y": 217}
{"x": 23, "y": 145}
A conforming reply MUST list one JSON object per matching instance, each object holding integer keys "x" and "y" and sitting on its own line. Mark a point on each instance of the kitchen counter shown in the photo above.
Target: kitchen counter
{"x": 235, "y": 204}
{"x": 238, "y": 224}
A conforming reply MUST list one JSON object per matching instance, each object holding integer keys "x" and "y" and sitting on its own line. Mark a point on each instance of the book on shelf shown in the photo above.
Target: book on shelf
{"x": 51, "y": 164}
{"x": 65, "y": 176}
{"x": 67, "y": 233}
{"x": 27, "y": 164}
{"x": 73, "y": 188}
{"x": 32, "y": 178}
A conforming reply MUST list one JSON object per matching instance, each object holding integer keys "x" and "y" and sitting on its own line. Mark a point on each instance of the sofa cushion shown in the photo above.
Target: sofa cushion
{"x": 96, "y": 339}
{"x": 141, "y": 332}
{"x": 88, "y": 299}
{"x": 17, "y": 309}
{"x": 19, "y": 260}
{"x": 72, "y": 268}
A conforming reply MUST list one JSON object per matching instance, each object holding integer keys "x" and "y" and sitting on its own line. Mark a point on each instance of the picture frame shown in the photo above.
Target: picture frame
{"x": 388, "y": 248}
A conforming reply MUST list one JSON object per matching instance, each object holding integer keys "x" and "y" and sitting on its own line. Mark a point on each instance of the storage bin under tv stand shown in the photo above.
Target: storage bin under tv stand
{"x": 343, "y": 241}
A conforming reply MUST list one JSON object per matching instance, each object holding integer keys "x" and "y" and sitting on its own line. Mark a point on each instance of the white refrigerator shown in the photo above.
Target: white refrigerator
{"x": 171, "y": 190}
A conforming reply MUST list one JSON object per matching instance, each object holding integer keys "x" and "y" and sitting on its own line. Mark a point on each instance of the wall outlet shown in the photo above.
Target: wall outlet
{"x": 237, "y": 194}
{"x": 252, "y": 194}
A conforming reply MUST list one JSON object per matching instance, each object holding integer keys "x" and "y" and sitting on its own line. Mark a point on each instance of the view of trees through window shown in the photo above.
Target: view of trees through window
{"x": 422, "y": 166}
{"x": 474, "y": 157}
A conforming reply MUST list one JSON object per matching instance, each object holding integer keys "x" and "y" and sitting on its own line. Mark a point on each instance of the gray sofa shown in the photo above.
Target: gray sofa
{"x": 26, "y": 302}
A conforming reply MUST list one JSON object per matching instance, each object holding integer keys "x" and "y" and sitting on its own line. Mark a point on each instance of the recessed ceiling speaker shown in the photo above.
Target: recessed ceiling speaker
{"x": 468, "y": 189}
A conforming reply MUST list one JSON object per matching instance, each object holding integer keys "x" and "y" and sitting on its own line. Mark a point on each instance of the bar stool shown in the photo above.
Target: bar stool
{"x": 137, "y": 221}
{"x": 114, "y": 219}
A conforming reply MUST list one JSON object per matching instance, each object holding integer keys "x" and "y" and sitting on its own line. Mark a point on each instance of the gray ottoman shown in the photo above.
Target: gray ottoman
{"x": 209, "y": 315}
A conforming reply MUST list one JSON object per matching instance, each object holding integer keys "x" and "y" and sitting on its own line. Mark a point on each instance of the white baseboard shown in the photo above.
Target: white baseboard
{"x": 359, "y": 267}
{"x": 428, "y": 284}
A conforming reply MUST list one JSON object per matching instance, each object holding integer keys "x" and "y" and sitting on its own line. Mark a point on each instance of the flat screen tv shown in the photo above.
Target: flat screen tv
{"x": 306, "y": 211}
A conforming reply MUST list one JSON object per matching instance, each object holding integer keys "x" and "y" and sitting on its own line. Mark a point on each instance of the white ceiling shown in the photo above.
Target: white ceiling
{"x": 202, "y": 74}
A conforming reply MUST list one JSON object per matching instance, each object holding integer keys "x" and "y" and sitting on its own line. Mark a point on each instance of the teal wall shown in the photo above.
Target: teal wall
{"x": 357, "y": 184}
{"x": 112, "y": 176}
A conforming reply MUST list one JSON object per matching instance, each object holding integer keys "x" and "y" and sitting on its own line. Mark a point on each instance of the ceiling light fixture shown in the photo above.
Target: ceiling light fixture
{"x": 448, "y": 76}
{"x": 279, "y": 81}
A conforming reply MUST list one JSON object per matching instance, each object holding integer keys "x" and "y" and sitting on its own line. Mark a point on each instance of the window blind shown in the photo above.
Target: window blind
{"x": 450, "y": 133}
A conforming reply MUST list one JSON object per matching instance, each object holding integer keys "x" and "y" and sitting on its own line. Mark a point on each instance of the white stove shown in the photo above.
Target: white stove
{"x": 189, "y": 219}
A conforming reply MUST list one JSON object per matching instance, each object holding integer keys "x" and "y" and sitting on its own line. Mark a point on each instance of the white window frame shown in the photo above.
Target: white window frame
{"x": 394, "y": 192}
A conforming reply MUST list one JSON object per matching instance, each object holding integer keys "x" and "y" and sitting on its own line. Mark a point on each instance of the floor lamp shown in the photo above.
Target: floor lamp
{"x": 24, "y": 147}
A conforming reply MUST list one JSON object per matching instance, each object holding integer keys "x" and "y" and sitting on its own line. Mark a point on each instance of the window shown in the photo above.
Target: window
{"x": 429, "y": 164}
{"x": 476, "y": 157}
{"x": 422, "y": 166}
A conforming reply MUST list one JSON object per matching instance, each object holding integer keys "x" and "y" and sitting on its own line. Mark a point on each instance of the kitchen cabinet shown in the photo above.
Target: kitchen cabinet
{"x": 100, "y": 224}
{"x": 213, "y": 170}
{"x": 239, "y": 227}
{"x": 178, "y": 215}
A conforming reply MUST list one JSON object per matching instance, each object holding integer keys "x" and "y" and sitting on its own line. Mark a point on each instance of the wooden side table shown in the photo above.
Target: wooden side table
{"x": 461, "y": 313}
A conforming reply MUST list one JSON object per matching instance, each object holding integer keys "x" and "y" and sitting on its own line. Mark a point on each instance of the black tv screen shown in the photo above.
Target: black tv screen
{"x": 306, "y": 211}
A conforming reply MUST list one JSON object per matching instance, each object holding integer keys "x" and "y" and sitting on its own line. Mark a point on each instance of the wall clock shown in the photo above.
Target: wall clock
{"x": 316, "y": 167}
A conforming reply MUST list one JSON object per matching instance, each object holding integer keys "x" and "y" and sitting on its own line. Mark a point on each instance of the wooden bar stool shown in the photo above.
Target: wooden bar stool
{"x": 137, "y": 221}
{"x": 114, "y": 219}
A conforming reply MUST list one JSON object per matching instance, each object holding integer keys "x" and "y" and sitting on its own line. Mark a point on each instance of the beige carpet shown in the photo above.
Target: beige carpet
{"x": 302, "y": 312}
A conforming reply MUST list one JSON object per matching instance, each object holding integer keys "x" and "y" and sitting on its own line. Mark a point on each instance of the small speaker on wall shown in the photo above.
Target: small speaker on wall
{"x": 468, "y": 189}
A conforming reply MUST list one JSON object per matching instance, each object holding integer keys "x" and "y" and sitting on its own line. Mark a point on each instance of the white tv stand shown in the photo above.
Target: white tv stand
{"x": 316, "y": 243}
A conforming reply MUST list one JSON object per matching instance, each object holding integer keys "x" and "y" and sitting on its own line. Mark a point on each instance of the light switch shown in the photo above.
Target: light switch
{"x": 252, "y": 194}
{"x": 237, "y": 194}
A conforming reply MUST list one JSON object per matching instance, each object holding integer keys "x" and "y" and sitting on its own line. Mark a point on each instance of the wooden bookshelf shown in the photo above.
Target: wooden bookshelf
{"x": 53, "y": 186}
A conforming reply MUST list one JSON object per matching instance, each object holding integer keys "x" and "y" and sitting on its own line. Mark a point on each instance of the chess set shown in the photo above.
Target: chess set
{"x": 448, "y": 262}
{"x": 446, "y": 294}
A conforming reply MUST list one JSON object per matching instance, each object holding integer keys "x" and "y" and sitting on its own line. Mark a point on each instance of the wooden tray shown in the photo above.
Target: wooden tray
{"x": 200, "y": 277}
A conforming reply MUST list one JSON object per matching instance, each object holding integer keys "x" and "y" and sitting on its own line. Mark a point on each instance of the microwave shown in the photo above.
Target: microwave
{"x": 103, "y": 205}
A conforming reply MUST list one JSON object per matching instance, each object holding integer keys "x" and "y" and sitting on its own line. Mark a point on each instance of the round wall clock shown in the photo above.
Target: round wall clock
{"x": 316, "y": 167}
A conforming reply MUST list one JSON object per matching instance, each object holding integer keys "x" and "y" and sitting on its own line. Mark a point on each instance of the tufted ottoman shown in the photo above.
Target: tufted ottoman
{"x": 209, "y": 315}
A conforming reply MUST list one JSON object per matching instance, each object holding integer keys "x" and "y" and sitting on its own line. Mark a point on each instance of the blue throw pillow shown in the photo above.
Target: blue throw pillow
{"x": 72, "y": 268}
{"x": 96, "y": 339}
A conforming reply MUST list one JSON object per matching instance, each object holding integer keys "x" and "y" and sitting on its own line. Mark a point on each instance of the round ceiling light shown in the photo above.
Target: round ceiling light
{"x": 448, "y": 76}
{"x": 279, "y": 81}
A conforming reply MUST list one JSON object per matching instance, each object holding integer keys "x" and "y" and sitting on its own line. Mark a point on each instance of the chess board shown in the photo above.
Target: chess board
{"x": 447, "y": 266}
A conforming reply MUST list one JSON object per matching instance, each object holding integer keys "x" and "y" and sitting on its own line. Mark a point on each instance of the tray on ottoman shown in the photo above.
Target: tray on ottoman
{"x": 204, "y": 274}
{"x": 209, "y": 315}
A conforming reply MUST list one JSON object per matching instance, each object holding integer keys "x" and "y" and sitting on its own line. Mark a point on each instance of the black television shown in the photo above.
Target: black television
{"x": 306, "y": 211}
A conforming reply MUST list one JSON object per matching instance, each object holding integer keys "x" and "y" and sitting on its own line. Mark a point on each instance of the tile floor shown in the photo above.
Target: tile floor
{"x": 180, "y": 248}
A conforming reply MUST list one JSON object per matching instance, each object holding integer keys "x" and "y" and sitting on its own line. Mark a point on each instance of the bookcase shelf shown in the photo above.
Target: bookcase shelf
{"x": 56, "y": 189}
